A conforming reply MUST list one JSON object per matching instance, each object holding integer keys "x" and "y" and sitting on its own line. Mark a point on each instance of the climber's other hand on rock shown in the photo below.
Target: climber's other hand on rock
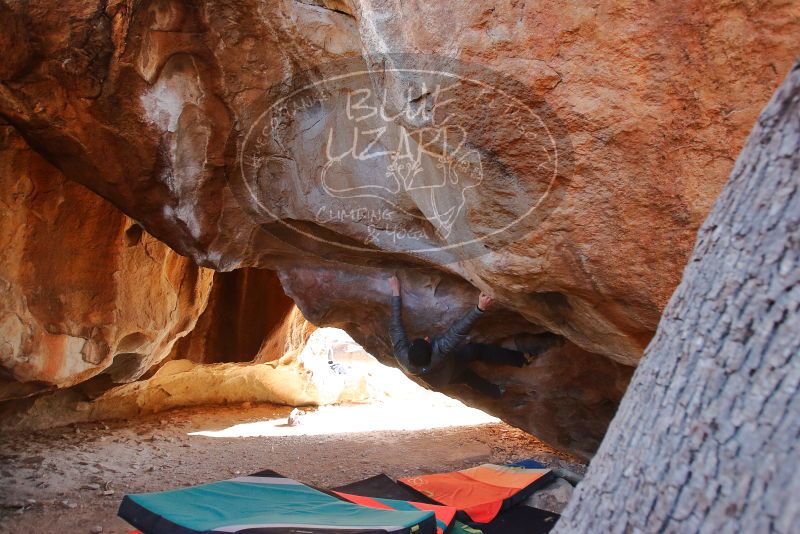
{"x": 484, "y": 302}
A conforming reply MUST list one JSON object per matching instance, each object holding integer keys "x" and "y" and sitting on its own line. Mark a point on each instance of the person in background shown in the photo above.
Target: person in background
{"x": 443, "y": 359}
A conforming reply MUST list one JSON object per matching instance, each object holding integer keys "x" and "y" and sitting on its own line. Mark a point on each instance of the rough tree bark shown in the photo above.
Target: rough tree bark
{"x": 706, "y": 437}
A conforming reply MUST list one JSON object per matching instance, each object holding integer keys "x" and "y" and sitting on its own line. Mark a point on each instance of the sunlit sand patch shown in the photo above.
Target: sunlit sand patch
{"x": 392, "y": 416}
{"x": 395, "y": 402}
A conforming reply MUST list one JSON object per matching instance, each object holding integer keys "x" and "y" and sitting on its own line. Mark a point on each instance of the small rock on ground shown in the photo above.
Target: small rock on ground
{"x": 553, "y": 497}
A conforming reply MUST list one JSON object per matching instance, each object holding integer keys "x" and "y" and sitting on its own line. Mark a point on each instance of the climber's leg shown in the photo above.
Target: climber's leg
{"x": 494, "y": 355}
{"x": 481, "y": 385}
{"x": 535, "y": 344}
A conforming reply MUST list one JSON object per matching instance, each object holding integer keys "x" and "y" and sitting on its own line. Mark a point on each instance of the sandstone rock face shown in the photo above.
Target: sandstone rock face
{"x": 87, "y": 291}
{"x": 246, "y": 309}
{"x": 301, "y": 377}
{"x": 183, "y": 383}
{"x": 84, "y": 288}
{"x": 148, "y": 108}
{"x": 635, "y": 114}
{"x": 14, "y": 43}
{"x": 567, "y": 394}
{"x": 287, "y": 339}
{"x": 554, "y": 497}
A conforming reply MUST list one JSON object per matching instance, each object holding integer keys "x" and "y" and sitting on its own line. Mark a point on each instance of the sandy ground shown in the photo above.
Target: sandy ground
{"x": 71, "y": 479}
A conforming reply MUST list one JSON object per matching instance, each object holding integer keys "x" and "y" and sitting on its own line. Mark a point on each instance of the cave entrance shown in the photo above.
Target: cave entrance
{"x": 252, "y": 386}
{"x": 357, "y": 394}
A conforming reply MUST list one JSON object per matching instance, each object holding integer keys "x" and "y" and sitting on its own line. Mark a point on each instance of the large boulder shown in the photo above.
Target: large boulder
{"x": 85, "y": 290}
{"x": 567, "y": 175}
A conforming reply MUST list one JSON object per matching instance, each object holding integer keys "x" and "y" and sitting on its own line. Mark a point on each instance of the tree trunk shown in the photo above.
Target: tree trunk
{"x": 706, "y": 437}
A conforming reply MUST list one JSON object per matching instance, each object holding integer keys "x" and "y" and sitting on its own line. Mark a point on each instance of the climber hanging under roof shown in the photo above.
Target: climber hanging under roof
{"x": 444, "y": 359}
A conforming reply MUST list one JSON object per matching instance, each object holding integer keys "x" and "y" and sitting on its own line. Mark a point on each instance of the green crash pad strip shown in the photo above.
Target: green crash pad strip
{"x": 263, "y": 503}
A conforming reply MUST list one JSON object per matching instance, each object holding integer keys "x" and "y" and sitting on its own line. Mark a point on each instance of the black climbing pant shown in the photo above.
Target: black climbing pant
{"x": 537, "y": 343}
{"x": 481, "y": 385}
{"x": 456, "y": 368}
{"x": 490, "y": 354}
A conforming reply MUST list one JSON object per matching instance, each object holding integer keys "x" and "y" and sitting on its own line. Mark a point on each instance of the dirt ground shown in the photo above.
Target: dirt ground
{"x": 71, "y": 479}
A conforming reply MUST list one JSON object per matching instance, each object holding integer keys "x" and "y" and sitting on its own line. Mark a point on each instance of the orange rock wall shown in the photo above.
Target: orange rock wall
{"x": 84, "y": 289}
